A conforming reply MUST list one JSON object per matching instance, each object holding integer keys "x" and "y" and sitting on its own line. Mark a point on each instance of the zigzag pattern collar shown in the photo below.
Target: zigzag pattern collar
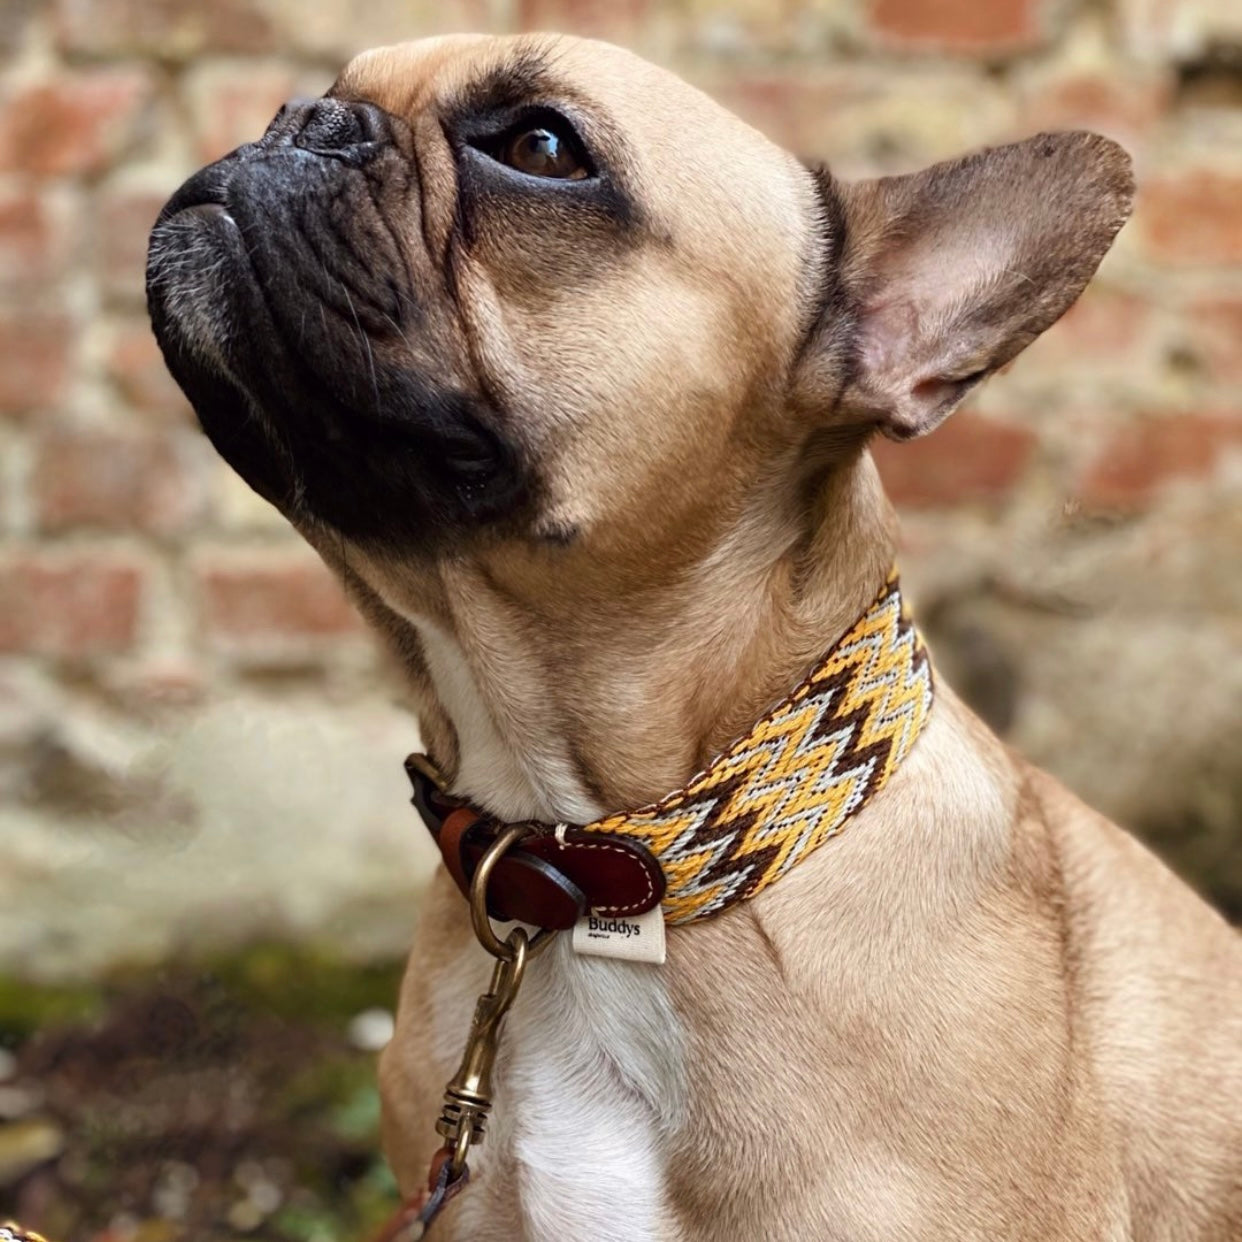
{"x": 793, "y": 781}
{"x": 759, "y": 809}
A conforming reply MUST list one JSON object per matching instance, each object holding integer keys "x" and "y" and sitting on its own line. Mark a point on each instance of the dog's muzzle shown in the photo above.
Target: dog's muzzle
{"x": 297, "y": 306}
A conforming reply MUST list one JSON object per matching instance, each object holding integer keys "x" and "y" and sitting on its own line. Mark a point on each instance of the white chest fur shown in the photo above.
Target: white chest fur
{"x": 590, "y": 1085}
{"x": 593, "y": 1085}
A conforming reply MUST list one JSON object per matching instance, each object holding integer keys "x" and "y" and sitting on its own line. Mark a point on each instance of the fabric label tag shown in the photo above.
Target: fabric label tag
{"x": 636, "y": 938}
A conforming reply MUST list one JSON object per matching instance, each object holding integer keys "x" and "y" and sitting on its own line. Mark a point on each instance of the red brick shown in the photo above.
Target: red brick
{"x": 1195, "y": 218}
{"x": 134, "y": 364}
{"x": 1124, "y": 108}
{"x": 620, "y": 20}
{"x": 34, "y": 248}
{"x": 123, "y": 226}
{"x": 1143, "y": 457}
{"x": 791, "y": 107}
{"x": 34, "y": 360}
{"x": 115, "y": 481}
{"x": 978, "y": 26}
{"x": 169, "y": 29}
{"x": 76, "y": 123}
{"x": 1103, "y": 324}
{"x": 275, "y": 596}
{"x": 969, "y": 458}
{"x": 78, "y": 605}
{"x": 231, "y": 105}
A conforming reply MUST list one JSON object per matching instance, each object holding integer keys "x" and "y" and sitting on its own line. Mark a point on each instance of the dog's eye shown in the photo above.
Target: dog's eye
{"x": 538, "y": 142}
{"x": 541, "y": 152}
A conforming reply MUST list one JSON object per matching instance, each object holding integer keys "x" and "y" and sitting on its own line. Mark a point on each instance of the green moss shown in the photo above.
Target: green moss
{"x": 226, "y": 1063}
{"x": 293, "y": 983}
{"x": 304, "y": 984}
{"x": 27, "y": 1007}
{"x": 328, "y": 1086}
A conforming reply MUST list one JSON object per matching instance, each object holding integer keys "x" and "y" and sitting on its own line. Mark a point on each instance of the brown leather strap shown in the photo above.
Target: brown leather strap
{"x": 548, "y": 879}
{"x": 412, "y": 1220}
{"x": 522, "y": 885}
{"x": 455, "y": 825}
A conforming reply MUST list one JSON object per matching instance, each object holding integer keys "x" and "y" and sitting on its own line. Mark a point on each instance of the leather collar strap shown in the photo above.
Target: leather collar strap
{"x": 552, "y": 876}
{"x": 759, "y": 809}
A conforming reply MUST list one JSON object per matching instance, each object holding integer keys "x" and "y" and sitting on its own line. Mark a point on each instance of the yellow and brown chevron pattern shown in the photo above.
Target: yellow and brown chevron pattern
{"x": 9, "y": 1232}
{"x": 791, "y": 783}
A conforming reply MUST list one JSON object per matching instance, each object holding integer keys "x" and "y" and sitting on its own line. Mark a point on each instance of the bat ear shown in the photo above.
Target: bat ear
{"x": 942, "y": 276}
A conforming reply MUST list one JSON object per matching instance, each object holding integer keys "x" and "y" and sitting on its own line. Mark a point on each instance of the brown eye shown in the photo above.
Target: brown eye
{"x": 541, "y": 153}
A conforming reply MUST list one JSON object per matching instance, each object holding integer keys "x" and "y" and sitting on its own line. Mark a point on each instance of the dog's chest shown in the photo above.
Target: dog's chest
{"x": 591, "y": 1084}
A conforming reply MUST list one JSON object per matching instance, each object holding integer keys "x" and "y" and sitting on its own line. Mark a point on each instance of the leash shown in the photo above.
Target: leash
{"x": 468, "y": 1095}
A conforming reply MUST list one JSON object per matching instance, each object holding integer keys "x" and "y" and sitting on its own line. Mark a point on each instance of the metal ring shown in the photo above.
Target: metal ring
{"x": 423, "y": 764}
{"x": 523, "y": 947}
{"x": 519, "y": 944}
{"x": 479, "y": 918}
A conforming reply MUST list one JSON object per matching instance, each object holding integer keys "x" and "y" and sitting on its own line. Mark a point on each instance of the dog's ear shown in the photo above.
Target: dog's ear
{"x": 938, "y": 278}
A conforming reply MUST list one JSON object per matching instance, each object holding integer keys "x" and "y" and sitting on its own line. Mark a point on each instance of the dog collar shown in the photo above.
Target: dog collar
{"x": 771, "y": 799}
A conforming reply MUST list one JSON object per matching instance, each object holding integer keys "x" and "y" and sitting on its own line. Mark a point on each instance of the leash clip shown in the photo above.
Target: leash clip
{"x": 468, "y": 1095}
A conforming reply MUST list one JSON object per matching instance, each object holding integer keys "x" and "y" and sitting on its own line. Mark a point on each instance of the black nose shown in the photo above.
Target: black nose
{"x": 330, "y": 126}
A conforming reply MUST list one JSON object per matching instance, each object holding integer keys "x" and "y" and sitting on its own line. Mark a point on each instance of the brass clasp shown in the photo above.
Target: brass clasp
{"x": 468, "y": 1096}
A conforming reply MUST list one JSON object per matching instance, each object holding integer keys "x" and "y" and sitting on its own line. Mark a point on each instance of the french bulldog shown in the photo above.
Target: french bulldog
{"x": 569, "y": 375}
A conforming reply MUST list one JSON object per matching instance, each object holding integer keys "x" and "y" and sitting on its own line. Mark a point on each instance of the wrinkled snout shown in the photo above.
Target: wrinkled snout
{"x": 296, "y": 304}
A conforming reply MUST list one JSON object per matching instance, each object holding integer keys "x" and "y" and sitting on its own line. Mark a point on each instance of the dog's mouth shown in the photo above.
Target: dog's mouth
{"x": 288, "y": 308}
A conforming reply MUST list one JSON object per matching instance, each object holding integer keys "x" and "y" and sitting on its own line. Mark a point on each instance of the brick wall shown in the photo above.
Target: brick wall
{"x": 1073, "y": 537}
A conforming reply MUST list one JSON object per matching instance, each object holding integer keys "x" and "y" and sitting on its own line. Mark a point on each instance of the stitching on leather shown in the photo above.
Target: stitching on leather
{"x": 628, "y": 907}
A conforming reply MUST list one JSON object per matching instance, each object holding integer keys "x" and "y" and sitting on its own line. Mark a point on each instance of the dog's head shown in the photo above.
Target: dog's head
{"x": 537, "y": 291}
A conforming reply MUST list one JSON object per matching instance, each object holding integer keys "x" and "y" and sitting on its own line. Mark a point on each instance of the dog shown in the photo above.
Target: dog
{"x": 569, "y": 375}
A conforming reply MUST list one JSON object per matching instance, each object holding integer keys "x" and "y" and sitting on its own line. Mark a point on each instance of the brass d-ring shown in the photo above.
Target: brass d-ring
{"x": 479, "y": 918}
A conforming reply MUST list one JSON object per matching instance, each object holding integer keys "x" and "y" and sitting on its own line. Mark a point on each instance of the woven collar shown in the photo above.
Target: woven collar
{"x": 758, "y": 810}
{"x": 793, "y": 781}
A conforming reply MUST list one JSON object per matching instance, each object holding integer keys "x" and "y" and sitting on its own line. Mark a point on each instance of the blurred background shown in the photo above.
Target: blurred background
{"x": 208, "y": 871}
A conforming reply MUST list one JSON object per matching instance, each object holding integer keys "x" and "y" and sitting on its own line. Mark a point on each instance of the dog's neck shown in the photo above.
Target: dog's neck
{"x": 556, "y": 707}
